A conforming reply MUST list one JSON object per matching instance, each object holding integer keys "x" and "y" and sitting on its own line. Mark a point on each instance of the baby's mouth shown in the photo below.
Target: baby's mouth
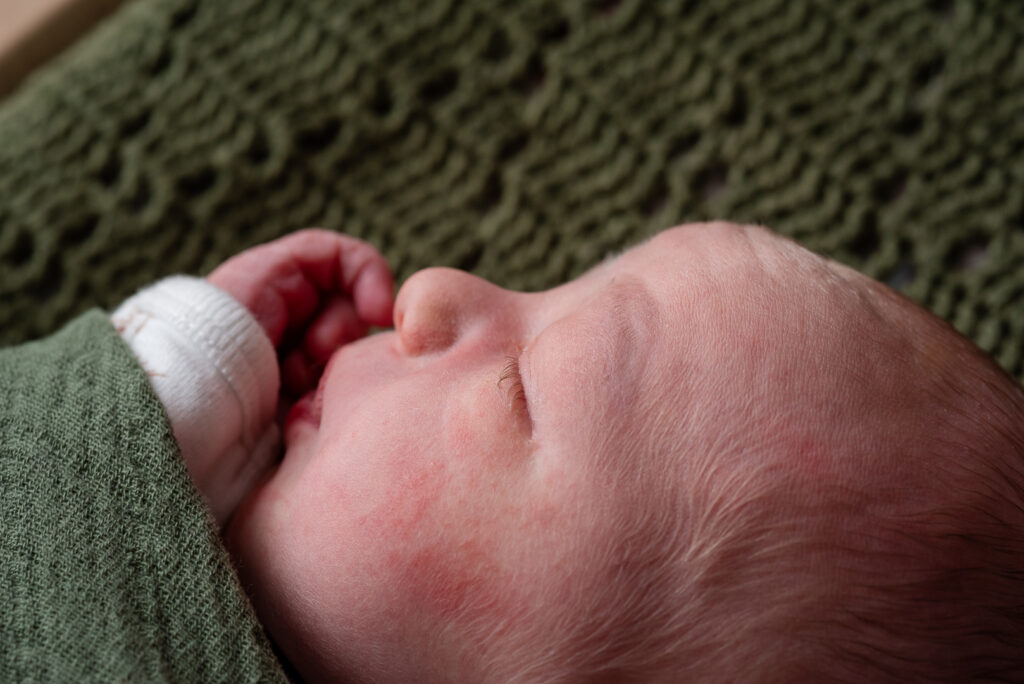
{"x": 309, "y": 408}
{"x": 306, "y": 410}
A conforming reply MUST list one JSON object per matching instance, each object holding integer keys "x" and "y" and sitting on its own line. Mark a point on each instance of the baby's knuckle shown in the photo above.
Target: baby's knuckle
{"x": 310, "y": 234}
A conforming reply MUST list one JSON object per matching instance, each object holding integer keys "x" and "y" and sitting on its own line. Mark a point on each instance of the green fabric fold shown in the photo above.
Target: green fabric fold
{"x": 110, "y": 567}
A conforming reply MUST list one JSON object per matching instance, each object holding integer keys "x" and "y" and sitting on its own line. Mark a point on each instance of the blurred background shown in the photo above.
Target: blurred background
{"x": 33, "y": 31}
{"x": 522, "y": 141}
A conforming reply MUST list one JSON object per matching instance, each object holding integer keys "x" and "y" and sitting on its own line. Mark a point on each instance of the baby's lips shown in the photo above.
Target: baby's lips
{"x": 305, "y": 412}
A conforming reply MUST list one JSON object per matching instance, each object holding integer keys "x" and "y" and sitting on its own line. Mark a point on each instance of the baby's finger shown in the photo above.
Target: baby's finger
{"x": 373, "y": 292}
{"x": 299, "y": 373}
{"x": 336, "y": 325}
{"x": 277, "y": 294}
{"x": 339, "y": 263}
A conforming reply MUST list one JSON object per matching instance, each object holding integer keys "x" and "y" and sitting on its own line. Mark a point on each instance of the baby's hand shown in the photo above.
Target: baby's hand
{"x": 311, "y": 292}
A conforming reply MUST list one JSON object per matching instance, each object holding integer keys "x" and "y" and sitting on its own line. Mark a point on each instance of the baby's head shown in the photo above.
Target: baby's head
{"x": 716, "y": 457}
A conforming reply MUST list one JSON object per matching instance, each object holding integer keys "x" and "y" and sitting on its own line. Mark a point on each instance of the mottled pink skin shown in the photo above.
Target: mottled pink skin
{"x": 422, "y": 527}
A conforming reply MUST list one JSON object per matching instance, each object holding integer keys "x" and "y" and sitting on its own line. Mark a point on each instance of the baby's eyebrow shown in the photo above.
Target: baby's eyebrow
{"x": 619, "y": 324}
{"x": 624, "y": 317}
{"x": 634, "y": 308}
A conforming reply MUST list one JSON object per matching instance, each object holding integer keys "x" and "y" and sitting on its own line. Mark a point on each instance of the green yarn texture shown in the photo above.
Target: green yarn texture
{"x": 523, "y": 141}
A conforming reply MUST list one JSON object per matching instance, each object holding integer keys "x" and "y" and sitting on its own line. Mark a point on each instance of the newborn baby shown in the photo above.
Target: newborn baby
{"x": 716, "y": 457}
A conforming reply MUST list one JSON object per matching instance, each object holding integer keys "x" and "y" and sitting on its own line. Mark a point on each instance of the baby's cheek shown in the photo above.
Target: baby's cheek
{"x": 453, "y": 519}
{"x": 444, "y": 570}
{"x": 452, "y": 583}
{"x": 402, "y": 495}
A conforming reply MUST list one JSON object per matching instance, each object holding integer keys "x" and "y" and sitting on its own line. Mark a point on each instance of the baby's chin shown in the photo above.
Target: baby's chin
{"x": 235, "y": 534}
{"x": 300, "y": 440}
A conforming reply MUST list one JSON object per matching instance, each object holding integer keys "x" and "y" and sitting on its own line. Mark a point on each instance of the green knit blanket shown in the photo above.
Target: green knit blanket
{"x": 523, "y": 141}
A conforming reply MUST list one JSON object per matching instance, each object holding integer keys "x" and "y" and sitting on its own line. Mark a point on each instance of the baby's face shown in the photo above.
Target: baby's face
{"x": 450, "y": 482}
{"x": 493, "y": 483}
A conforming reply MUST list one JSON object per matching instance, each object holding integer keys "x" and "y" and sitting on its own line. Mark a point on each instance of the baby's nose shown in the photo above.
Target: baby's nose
{"x": 438, "y": 305}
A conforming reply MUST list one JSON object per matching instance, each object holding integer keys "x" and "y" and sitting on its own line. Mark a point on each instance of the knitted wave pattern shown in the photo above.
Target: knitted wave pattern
{"x": 523, "y": 141}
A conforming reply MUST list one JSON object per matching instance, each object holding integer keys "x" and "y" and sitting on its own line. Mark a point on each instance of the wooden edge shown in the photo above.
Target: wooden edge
{"x": 34, "y": 31}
